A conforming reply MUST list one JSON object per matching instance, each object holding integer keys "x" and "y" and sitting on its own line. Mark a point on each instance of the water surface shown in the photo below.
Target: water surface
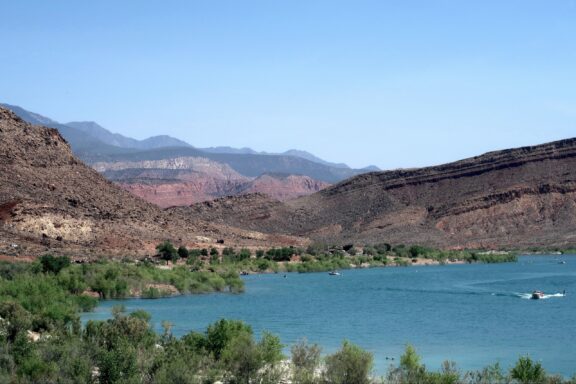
{"x": 474, "y": 315}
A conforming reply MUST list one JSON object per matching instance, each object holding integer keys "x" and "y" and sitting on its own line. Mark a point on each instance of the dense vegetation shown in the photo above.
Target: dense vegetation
{"x": 321, "y": 257}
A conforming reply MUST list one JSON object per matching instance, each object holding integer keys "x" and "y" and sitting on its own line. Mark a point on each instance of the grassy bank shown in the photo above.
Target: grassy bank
{"x": 321, "y": 258}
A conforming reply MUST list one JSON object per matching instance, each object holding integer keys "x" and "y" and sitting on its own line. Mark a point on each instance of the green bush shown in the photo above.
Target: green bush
{"x": 54, "y": 264}
{"x": 167, "y": 251}
{"x": 305, "y": 359}
{"x": 350, "y": 365}
{"x": 183, "y": 252}
{"x": 528, "y": 372}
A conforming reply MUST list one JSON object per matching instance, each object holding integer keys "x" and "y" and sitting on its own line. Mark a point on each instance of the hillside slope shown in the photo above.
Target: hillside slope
{"x": 514, "y": 198}
{"x": 51, "y": 202}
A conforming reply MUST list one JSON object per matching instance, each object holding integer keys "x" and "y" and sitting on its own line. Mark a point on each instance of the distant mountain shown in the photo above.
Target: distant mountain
{"x": 108, "y": 152}
{"x": 30, "y": 117}
{"x": 292, "y": 152}
{"x": 311, "y": 157}
{"x": 237, "y": 151}
{"x": 79, "y": 141}
{"x": 95, "y": 130}
{"x": 245, "y": 164}
{"x": 371, "y": 168}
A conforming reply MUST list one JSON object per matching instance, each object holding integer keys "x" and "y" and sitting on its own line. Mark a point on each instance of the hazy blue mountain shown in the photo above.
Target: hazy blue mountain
{"x": 238, "y": 151}
{"x": 245, "y": 164}
{"x": 30, "y": 117}
{"x": 78, "y": 140}
{"x": 93, "y": 143}
{"x": 291, "y": 152}
{"x": 311, "y": 157}
{"x": 101, "y": 133}
{"x": 371, "y": 168}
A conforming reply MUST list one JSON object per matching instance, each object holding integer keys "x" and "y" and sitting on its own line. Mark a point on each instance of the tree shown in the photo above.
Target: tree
{"x": 167, "y": 251}
{"x": 248, "y": 361}
{"x": 54, "y": 264}
{"x": 528, "y": 372}
{"x": 244, "y": 254}
{"x": 350, "y": 365}
{"x": 382, "y": 248}
{"x": 221, "y": 333}
{"x": 410, "y": 361}
{"x": 214, "y": 255}
{"x": 183, "y": 252}
{"x": 195, "y": 253}
{"x": 410, "y": 369}
{"x": 305, "y": 359}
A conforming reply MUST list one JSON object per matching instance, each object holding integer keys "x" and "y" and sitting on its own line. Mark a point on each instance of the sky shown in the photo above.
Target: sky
{"x": 393, "y": 83}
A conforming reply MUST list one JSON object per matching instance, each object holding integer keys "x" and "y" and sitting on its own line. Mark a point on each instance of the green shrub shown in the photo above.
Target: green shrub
{"x": 54, "y": 264}
{"x": 167, "y": 251}
{"x": 183, "y": 252}
{"x": 305, "y": 359}
{"x": 528, "y": 372}
{"x": 350, "y": 365}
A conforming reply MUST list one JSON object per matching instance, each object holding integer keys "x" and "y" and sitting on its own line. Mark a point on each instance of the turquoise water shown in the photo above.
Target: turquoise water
{"x": 474, "y": 315}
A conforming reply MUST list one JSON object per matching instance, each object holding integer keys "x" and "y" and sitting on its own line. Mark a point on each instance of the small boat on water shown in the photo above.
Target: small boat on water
{"x": 537, "y": 295}
{"x": 334, "y": 273}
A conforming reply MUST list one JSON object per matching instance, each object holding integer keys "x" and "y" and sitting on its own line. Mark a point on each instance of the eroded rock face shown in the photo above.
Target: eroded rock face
{"x": 284, "y": 188}
{"x": 50, "y": 201}
{"x": 167, "y": 187}
{"x": 177, "y": 187}
{"x": 514, "y": 198}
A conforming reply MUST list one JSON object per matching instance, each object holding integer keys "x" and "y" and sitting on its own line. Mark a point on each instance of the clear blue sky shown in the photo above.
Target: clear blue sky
{"x": 397, "y": 83}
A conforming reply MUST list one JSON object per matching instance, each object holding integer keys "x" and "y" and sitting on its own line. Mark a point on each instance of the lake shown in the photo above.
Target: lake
{"x": 475, "y": 315}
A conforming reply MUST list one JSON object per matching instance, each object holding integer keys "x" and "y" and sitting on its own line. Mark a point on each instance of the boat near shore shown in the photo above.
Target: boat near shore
{"x": 334, "y": 273}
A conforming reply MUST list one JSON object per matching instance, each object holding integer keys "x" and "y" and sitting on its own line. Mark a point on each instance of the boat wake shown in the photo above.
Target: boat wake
{"x": 520, "y": 295}
{"x": 545, "y": 296}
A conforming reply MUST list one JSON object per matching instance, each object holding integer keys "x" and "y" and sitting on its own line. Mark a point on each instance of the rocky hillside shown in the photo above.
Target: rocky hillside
{"x": 186, "y": 180}
{"x": 51, "y": 201}
{"x": 283, "y": 187}
{"x": 189, "y": 187}
{"x": 515, "y": 198}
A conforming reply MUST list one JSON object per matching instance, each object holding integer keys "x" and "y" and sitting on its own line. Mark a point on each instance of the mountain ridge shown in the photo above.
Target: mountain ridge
{"x": 92, "y": 149}
{"x": 519, "y": 197}
{"x": 95, "y": 130}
